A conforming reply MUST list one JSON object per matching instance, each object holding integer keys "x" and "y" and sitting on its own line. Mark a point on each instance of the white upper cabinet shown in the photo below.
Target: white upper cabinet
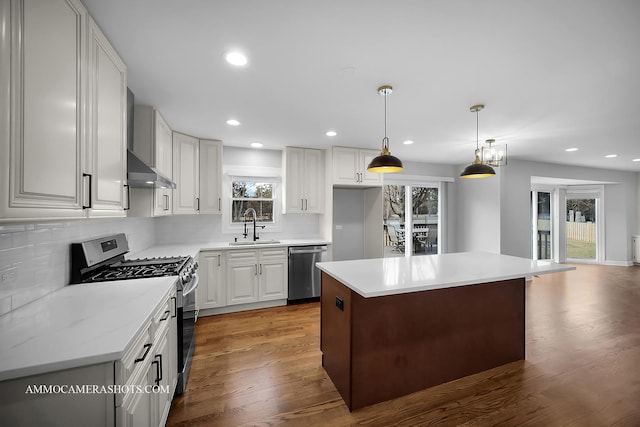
{"x": 186, "y": 165}
{"x": 210, "y": 176}
{"x": 304, "y": 180}
{"x": 153, "y": 144}
{"x": 350, "y": 167}
{"x": 62, "y": 114}
{"x": 107, "y": 149}
{"x": 42, "y": 59}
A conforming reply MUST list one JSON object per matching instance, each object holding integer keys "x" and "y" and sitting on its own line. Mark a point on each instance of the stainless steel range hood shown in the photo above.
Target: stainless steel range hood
{"x": 141, "y": 175}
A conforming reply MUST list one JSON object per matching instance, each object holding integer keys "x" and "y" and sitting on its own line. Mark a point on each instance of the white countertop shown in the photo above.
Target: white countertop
{"x": 192, "y": 249}
{"x": 389, "y": 276}
{"x": 78, "y": 325}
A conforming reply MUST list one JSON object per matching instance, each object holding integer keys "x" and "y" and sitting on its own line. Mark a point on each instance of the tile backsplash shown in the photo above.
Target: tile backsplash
{"x": 35, "y": 258}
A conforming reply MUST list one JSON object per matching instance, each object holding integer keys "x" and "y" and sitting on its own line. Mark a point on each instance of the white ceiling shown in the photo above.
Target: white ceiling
{"x": 552, "y": 74}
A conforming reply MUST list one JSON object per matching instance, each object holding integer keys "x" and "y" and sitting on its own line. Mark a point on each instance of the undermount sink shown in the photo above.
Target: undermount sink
{"x": 251, "y": 242}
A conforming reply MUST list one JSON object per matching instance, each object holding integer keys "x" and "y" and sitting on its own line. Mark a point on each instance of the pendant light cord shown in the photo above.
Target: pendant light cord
{"x": 477, "y": 125}
{"x": 385, "y": 140}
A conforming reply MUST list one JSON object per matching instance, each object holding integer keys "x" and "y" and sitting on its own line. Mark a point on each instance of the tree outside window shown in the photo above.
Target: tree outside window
{"x": 252, "y": 194}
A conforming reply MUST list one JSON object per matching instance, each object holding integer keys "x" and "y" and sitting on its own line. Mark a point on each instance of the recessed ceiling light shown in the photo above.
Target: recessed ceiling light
{"x": 233, "y": 122}
{"x": 611, "y": 156}
{"x": 148, "y": 182}
{"x": 571, "y": 149}
{"x": 407, "y": 142}
{"x": 635, "y": 160}
{"x": 236, "y": 58}
{"x": 331, "y": 133}
{"x": 257, "y": 145}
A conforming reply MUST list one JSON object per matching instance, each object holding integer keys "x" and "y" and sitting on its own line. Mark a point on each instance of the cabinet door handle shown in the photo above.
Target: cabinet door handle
{"x": 256, "y": 266}
{"x": 219, "y": 205}
{"x": 301, "y": 204}
{"x": 197, "y": 203}
{"x": 158, "y": 368}
{"x": 147, "y": 347}
{"x": 165, "y": 316}
{"x": 166, "y": 202}
{"x": 84, "y": 175}
{"x": 128, "y": 187}
{"x": 175, "y": 307}
{"x": 218, "y": 260}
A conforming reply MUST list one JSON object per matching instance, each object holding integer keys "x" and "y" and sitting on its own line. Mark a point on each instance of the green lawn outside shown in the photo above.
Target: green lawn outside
{"x": 580, "y": 250}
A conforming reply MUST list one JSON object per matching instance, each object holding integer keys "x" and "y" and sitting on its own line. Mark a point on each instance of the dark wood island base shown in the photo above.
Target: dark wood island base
{"x": 375, "y": 349}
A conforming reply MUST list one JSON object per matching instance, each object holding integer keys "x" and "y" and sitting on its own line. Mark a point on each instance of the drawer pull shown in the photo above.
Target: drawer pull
{"x": 158, "y": 369}
{"x": 147, "y": 347}
{"x": 165, "y": 316}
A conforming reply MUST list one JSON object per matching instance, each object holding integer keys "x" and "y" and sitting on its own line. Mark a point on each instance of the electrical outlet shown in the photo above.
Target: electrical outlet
{"x": 340, "y": 303}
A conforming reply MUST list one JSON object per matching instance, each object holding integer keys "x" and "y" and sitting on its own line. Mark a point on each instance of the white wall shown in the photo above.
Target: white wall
{"x": 348, "y": 224}
{"x": 478, "y": 213}
{"x": 638, "y": 224}
{"x": 621, "y": 205}
{"x": 35, "y": 258}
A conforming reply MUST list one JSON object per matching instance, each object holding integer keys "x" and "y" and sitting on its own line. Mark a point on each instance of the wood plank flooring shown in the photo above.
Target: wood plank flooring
{"x": 582, "y": 367}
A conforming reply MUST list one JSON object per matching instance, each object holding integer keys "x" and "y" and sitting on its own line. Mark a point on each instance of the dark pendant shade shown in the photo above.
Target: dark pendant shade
{"x": 477, "y": 170}
{"x": 385, "y": 163}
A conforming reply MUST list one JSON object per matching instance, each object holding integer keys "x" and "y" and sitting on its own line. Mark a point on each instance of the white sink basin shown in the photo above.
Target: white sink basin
{"x": 252, "y": 243}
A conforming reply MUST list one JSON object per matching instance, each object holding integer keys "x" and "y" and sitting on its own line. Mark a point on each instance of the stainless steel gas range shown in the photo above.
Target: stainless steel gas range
{"x": 102, "y": 259}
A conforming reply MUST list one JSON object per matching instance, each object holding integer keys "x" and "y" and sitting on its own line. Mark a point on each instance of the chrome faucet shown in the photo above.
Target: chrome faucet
{"x": 253, "y": 214}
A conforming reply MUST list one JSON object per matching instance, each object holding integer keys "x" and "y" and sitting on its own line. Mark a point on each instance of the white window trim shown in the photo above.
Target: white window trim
{"x": 255, "y": 173}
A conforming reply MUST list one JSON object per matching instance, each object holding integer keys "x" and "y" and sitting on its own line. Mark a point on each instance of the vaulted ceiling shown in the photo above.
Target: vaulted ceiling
{"x": 552, "y": 74}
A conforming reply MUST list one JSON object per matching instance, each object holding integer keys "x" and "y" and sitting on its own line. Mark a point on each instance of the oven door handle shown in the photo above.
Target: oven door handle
{"x": 193, "y": 284}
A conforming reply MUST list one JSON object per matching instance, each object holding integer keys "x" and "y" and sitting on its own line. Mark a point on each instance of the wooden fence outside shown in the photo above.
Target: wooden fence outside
{"x": 581, "y": 231}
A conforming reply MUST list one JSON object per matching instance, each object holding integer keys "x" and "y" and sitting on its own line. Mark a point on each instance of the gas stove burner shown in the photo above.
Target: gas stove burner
{"x": 141, "y": 268}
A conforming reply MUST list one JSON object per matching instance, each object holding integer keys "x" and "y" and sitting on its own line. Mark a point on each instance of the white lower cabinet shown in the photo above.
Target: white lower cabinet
{"x": 150, "y": 360}
{"x": 150, "y": 370}
{"x": 256, "y": 275}
{"x": 242, "y": 276}
{"x": 211, "y": 292}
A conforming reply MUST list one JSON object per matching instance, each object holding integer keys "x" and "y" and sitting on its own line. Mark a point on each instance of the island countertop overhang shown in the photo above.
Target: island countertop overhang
{"x": 390, "y": 276}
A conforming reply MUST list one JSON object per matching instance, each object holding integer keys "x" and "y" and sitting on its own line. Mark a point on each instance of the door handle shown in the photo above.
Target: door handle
{"x": 128, "y": 187}
{"x": 197, "y": 203}
{"x": 166, "y": 202}
{"x": 256, "y": 266}
{"x": 261, "y": 269}
{"x": 218, "y": 260}
{"x": 84, "y": 175}
{"x": 219, "y": 205}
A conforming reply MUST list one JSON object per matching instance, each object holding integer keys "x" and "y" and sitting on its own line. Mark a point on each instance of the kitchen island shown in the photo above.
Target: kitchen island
{"x": 393, "y": 326}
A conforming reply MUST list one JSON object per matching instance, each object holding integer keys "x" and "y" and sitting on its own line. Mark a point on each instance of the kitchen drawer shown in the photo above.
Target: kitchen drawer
{"x": 273, "y": 253}
{"x": 242, "y": 255}
{"x": 139, "y": 351}
{"x": 160, "y": 319}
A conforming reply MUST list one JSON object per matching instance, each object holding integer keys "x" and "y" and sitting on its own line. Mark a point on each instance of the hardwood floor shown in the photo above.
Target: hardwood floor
{"x": 582, "y": 367}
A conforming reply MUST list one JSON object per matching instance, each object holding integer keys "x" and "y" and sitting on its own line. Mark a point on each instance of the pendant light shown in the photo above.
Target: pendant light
{"x": 385, "y": 162}
{"x": 477, "y": 169}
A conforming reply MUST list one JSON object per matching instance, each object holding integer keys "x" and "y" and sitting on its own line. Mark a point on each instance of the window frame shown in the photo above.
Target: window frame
{"x": 257, "y": 174}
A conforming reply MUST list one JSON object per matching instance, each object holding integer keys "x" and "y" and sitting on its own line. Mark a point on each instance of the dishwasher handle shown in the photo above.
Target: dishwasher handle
{"x": 307, "y": 251}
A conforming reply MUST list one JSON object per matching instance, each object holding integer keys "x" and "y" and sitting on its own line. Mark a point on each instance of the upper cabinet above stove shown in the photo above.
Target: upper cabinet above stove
{"x": 62, "y": 114}
{"x": 153, "y": 143}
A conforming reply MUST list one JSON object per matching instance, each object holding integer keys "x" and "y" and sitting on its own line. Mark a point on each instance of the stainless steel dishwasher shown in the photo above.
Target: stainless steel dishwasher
{"x": 304, "y": 276}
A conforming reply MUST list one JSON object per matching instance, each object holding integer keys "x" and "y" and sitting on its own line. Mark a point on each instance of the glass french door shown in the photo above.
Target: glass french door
{"x": 411, "y": 217}
{"x": 542, "y": 237}
{"x": 582, "y": 227}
